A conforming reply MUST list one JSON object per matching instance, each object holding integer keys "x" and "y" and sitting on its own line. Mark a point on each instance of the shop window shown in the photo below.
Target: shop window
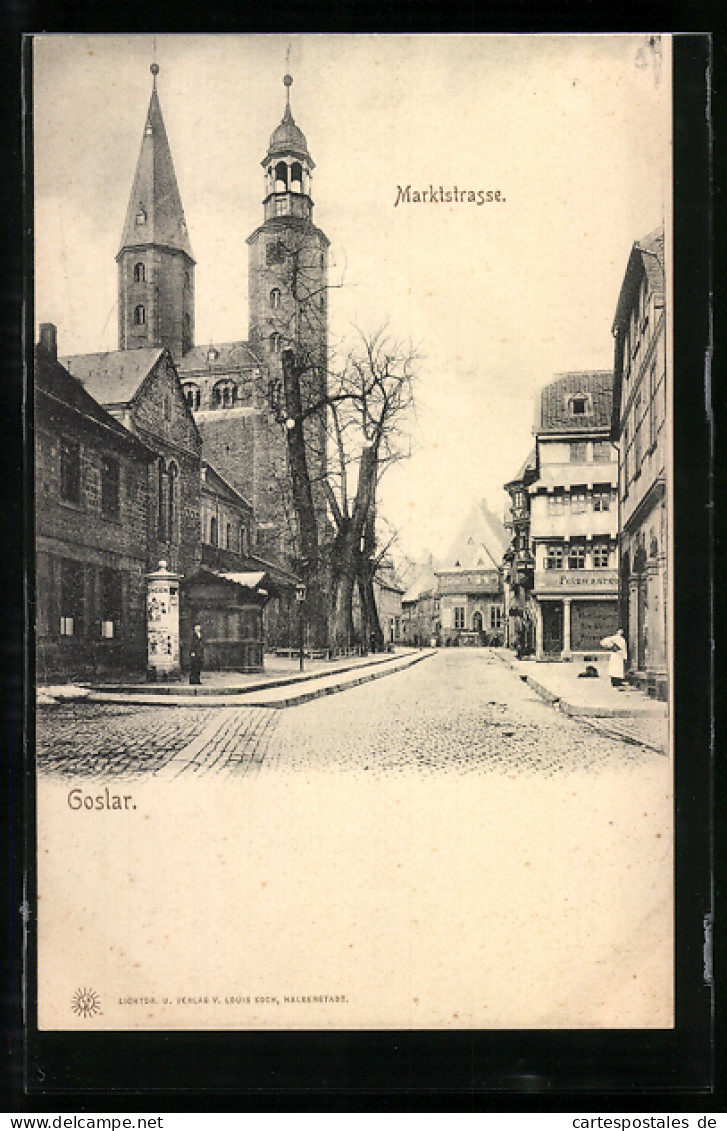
{"x": 139, "y": 273}
{"x": 577, "y": 556}
{"x": 578, "y": 451}
{"x": 110, "y": 495}
{"x": 601, "y": 555}
{"x": 110, "y": 603}
{"x": 554, "y": 556}
{"x": 70, "y": 471}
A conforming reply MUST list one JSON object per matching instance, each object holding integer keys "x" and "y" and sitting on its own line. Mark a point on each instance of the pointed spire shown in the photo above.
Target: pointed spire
{"x": 288, "y": 138}
{"x": 155, "y": 214}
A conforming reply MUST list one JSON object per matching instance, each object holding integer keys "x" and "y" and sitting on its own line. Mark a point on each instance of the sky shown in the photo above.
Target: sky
{"x": 574, "y": 132}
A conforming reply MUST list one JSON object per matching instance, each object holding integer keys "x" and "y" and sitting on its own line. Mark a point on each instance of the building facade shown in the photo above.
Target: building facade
{"x": 574, "y": 517}
{"x": 91, "y": 495}
{"x": 469, "y": 582}
{"x": 639, "y": 428}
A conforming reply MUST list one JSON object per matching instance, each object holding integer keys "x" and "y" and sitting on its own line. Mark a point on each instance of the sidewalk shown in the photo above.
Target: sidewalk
{"x": 282, "y": 684}
{"x": 627, "y": 714}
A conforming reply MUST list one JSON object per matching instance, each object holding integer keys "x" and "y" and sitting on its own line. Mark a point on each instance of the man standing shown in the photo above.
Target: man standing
{"x": 618, "y": 658}
{"x": 196, "y": 655}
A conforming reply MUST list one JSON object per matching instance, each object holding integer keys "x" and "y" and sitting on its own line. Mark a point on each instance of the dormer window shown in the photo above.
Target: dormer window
{"x": 580, "y": 404}
{"x": 148, "y": 130}
{"x": 139, "y": 273}
{"x": 141, "y": 216}
{"x": 212, "y": 354}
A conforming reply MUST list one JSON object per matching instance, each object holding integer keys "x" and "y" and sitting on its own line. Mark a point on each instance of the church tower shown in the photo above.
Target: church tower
{"x": 288, "y": 269}
{"x": 155, "y": 262}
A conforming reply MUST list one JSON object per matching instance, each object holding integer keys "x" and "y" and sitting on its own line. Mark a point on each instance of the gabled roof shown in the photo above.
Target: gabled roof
{"x": 216, "y": 482}
{"x": 479, "y": 543}
{"x": 113, "y": 378}
{"x": 527, "y": 470}
{"x": 424, "y": 582}
{"x": 229, "y": 356}
{"x": 155, "y": 193}
{"x": 54, "y": 381}
{"x": 647, "y": 257}
{"x": 554, "y": 412}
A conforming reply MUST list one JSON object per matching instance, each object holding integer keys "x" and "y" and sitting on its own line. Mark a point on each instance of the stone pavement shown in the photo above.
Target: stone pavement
{"x": 282, "y": 684}
{"x": 625, "y": 713}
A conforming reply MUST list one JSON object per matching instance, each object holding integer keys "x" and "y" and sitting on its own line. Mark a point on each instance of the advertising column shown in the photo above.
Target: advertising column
{"x": 162, "y": 623}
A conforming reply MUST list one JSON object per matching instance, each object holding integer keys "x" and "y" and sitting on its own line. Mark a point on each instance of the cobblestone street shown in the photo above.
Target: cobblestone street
{"x": 461, "y": 711}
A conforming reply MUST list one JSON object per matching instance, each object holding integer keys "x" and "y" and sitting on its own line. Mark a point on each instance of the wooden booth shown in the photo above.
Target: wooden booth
{"x": 229, "y": 607}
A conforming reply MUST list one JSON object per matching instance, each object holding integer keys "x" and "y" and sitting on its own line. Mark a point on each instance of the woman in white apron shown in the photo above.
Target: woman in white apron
{"x": 618, "y": 658}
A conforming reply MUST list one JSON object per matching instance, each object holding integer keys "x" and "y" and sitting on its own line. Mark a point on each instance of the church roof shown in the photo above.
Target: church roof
{"x": 113, "y": 378}
{"x": 155, "y": 214}
{"x": 225, "y": 357}
{"x": 479, "y": 543}
{"x": 288, "y": 137}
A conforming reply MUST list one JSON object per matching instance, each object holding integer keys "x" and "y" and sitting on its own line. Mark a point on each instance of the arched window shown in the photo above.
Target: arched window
{"x": 139, "y": 316}
{"x": 224, "y": 394}
{"x": 275, "y": 298}
{"x": 139, "y": 273}
{"x": 296, "y": 177}
{"x": 275, "y": 343}
{"x": 213, "y": 531}
{"x": 191, "y": 394}
{"x": 172, "y": 475}
{"x": 161, "y": 501}
{"x": 281, "y": 177}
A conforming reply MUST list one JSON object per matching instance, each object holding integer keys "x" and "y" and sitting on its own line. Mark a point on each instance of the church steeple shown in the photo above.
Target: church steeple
{"x": 156, "y": 266}
{"x": 288, "y": 167}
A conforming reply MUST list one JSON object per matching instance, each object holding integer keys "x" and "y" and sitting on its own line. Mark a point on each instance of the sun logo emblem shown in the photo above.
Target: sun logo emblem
{"x": 86, "y": 1003}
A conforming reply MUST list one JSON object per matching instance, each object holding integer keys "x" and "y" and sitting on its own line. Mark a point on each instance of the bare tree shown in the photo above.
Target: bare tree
{"x": 368, "y": 410}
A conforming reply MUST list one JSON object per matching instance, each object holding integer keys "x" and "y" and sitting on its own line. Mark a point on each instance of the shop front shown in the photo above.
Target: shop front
{"x": 575, "y": 609}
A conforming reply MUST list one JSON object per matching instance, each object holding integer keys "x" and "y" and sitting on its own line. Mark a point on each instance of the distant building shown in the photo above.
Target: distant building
{"x": 91, "y": 493}
{"x": 519, "y": 562}
{"x": 388, "y": 593}
{"x": 574, "y": 516}
{"x": 470, "y": 581}
{"x": 639, "y": 428}
{"x": 420, "y": 624}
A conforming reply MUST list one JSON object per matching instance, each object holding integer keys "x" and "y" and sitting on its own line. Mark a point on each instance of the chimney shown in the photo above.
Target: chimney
{"x": 48, "y": 342}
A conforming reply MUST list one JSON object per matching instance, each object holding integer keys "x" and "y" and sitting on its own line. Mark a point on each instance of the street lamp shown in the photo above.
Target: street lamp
{"x": 300, "y": 595}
